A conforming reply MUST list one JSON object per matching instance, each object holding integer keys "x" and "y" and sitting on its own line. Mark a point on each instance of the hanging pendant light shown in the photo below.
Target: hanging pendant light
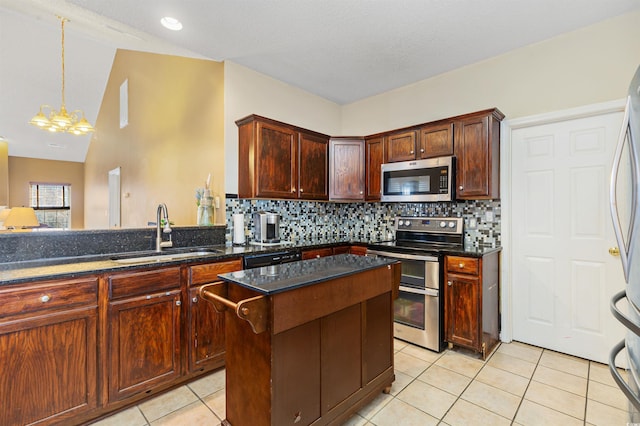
{"x": 62, "y": 121}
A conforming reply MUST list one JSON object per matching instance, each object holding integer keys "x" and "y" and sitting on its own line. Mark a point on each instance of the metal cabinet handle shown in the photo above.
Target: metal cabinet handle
{"x": 421, "y": 149}
{"x": 178, "y": 303}
{"x": 411, "y": 152}
{"x": 461, "y": 265}
{"x": 461, "y": 187}
{"x": 194, "y": 300}
{"x": 293, "y": 190}
{"x": 301, "y": 190}
{"x": 449, "y": 283}
{"x": 45, "y": 298}
{"x": 317, "y": 256}
{"x": 361, "y": 192}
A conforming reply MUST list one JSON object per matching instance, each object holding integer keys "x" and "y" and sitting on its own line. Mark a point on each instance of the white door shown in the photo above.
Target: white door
{"x": 562, "y": 274}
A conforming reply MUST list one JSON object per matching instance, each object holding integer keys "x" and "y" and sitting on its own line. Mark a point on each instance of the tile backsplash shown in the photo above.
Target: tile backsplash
{"x": 310, "y": 220}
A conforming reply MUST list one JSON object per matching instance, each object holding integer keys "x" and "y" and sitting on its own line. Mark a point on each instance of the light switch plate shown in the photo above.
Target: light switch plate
{"x": 488, "y": 216}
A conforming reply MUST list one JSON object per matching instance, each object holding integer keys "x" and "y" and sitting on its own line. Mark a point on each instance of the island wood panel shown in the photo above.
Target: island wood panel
{"x": 296, "y": 376}
{"x": 335, "y": 295}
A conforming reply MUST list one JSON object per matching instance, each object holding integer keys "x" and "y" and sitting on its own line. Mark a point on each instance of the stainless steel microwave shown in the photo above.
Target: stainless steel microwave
{"x": 419, "y": 181}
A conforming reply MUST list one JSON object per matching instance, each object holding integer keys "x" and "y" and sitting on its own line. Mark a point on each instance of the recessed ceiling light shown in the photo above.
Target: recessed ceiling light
{"x": 3, "y": 139}
{"x": 171, "y": 23}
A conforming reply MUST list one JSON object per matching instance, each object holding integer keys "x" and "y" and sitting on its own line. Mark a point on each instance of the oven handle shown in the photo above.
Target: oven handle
{"x": 424, "y": 292}
{"x": 402, "y": 256}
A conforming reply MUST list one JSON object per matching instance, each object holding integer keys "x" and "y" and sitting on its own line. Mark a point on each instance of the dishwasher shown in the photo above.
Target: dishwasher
{"x": 259, "y": 260}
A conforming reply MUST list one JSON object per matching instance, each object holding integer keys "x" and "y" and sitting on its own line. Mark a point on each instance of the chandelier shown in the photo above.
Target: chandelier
{"x": 62, "y": 121}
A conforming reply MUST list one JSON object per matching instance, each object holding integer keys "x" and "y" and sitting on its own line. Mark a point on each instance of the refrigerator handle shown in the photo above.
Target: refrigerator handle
{"x": 624, "y": 387}
{"x": 630, "y": 325}
{"x": 624, "y": 254}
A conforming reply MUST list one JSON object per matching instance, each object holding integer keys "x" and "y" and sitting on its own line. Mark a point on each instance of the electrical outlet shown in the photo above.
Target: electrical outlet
{"x": 488, "y": 216}
{"x": 473, "y": 223}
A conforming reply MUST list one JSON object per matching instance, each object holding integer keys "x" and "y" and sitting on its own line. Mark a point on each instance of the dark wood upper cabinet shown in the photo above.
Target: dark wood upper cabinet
{"x": 346, "y": 169}
{"x": 401, "y": 146}
{"x": 277, "y": 160}
{"x": 374, "y": 157}
{"x": 477, "y": 148}
{"x": 436, "y": 140}
{"x": 313, "y": 161}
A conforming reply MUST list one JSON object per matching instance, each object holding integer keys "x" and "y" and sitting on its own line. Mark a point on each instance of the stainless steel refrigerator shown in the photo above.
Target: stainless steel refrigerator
{"x": 625, "y": 212}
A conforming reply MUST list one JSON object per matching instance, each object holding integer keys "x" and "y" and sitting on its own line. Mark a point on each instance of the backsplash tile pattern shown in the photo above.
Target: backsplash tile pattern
{"x": 309, "y": 220}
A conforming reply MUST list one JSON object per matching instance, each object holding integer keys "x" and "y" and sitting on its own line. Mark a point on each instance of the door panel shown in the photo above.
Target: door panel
{"x": 563, "y": 276}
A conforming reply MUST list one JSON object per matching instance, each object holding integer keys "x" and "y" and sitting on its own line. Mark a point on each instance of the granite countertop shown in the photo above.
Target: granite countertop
{"x": 279, "y": 278}
{"x": 71, "y": 267}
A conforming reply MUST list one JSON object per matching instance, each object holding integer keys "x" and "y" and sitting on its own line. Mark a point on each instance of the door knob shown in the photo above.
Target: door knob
{"x": 614, "y": 251}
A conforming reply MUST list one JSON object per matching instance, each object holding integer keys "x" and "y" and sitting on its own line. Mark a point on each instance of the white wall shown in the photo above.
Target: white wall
{"x": 590, "y": 65}
{"x": 247, "y": 92}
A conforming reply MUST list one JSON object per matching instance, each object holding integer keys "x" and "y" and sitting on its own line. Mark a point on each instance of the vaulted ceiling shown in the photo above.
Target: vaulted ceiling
{"x": 340, "y": 50}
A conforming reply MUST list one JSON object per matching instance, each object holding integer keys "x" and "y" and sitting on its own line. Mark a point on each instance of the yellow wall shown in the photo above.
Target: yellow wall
{"x": 4, "y": 173}
{"x": 23, "y": 170}
{"x": 174, "y": 139}
{"x": 590, "y": 65}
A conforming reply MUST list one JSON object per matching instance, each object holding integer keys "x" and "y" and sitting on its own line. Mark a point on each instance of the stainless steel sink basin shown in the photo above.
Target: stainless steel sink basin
{"x": 165, "y": 257}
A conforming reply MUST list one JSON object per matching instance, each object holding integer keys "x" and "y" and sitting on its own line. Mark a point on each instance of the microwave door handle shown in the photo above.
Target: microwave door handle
{"x": 613, "y": 204}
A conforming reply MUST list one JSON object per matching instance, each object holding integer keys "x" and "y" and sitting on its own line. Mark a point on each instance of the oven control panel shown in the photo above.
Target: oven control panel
{"x": 448, "y": 225}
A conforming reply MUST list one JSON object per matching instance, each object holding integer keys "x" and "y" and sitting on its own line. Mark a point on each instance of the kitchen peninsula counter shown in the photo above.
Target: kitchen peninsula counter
{"x": 308, "y": 342}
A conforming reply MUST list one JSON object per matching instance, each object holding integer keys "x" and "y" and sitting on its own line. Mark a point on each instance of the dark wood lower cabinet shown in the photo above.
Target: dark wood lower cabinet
{"x": 144, "y": 338}
{"x": 472, "y": 299}
{"x": 48, "y": 351}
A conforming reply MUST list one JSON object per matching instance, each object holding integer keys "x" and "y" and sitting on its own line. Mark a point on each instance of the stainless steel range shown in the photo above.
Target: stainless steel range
{"x": 419, "y": 244}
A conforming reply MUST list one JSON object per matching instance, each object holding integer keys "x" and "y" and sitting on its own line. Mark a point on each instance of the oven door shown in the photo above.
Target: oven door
{"x": 419, "y": 271}
{"x": 416, "y": 317}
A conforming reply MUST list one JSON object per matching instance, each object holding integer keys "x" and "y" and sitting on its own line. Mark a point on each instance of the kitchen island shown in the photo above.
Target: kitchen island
{"x": 308, "y": 342}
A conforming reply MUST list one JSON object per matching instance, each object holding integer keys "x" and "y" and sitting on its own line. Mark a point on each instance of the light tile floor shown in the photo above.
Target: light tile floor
{"x": 518, "y": 384}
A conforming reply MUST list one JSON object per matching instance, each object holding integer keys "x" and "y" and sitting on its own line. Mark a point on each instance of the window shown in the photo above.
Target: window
{"x": 52, "y": 203}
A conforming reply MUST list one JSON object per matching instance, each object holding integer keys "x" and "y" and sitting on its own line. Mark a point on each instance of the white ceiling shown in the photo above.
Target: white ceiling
{"x": 341, "y": 50}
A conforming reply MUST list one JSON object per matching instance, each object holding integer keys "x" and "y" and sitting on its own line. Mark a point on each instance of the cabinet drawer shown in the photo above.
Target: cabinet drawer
{"x": 49, "y": 296}
{"x": 202, "y": 274}
{"x": 463, "y": 265}
{"x": 316, "y": 253}
{"x": 125, "y": 285}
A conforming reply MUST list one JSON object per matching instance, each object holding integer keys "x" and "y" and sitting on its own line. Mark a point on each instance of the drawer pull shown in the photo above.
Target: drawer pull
{"x": 178, "y": 303}
{"x": 45, "y": 298}
{"x": 461, "y": 265}
{"x": 194, "y": 300}
{"x": 449, "y": 283}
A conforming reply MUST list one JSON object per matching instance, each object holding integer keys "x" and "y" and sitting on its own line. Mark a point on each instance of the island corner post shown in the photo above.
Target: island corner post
{"x": 310, "y": 355}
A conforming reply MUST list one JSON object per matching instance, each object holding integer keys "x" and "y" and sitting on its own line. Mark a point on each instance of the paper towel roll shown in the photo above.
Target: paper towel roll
{"x": 238, "y": 228}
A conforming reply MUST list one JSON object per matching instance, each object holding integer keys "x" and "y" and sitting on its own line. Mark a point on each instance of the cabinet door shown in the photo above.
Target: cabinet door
{"x": 436, "y": 140}
{"x": 144, "y": 343}
{"x": 276, "y": 161}
{"x": 477, "y": 148}
{"x": 313, "y": 160}
{"x": 316, "y": 253}
{"x": 346, "y": 169}
{"x": 49, "y": 366}
{"x": 374, "y": 157}
{"x": 462, "y": 321}
{"x": 401, "y": 146}
{"x": 206, "y": 334}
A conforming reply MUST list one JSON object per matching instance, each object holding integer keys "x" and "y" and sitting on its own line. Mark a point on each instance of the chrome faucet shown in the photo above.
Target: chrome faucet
{"x": 167, "y": 229}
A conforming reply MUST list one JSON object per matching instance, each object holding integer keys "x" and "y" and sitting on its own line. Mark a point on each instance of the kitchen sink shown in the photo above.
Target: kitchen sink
{"x": 165, "y": 256}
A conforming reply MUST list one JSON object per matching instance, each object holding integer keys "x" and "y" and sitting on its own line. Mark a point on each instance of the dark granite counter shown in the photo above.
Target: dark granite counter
{"x": 15, "y": 272}
{"x": 279, "y": 278}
